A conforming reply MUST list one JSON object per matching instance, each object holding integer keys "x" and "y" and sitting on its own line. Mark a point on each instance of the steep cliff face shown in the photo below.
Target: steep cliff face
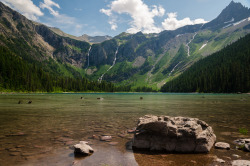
{"x": 233, "y": 13}
{"x": 66, "y": 49}
{"x": 36, "y": 42}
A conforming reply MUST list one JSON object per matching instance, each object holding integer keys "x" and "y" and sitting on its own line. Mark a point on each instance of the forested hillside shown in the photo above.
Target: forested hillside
{"x": 18, "y": 75}
{"x": 227, "y": 71}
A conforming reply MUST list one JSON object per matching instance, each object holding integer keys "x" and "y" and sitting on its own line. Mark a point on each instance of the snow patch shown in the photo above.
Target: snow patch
{"x": 232, "y": 20}
{"x": 179, "y": 35}
{"x": 227, "y": 26}
{"x": 237, "y": 23}
{"x": 204, "y": 45}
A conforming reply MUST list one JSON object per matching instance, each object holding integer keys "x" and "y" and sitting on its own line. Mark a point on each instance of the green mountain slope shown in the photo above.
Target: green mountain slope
{"x": 152, "y": 59}
{"x": 18, "y": 75}
{"x": 131, "y": 60}
{"x": 226, "y": 71}
{"x": 36, "y": 43}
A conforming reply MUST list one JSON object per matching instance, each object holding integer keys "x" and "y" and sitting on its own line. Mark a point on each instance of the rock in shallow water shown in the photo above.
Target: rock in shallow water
{"x": 243, "y": 144}
{"x": 83, "y": 149}
{"x": 173, "y": 134}
{"x": 241, "y": 163}
{"x": 222, "y": 145}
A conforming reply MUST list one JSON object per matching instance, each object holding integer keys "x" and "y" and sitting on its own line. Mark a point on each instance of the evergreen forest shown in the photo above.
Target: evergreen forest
{"x": 227, "y": 71}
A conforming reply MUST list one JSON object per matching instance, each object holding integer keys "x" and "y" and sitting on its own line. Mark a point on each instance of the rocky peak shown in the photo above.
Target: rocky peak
{"x": 233, "y": 13}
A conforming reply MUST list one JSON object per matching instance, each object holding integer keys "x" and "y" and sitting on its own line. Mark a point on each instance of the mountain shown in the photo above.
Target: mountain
{"x": 227, "y": 71}
{"x": 232, "y": 14}
{"x": 136, "y": 60}
{"x": 154, "y": 59}
{"x": 94, "y": 39}
{"x": 34, "y": 58}
{"x": 85, "y": 37}
{"x": 36, "y": 43}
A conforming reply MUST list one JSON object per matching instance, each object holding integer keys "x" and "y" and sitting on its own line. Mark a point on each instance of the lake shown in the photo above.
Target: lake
{"x": 43, "y": 132}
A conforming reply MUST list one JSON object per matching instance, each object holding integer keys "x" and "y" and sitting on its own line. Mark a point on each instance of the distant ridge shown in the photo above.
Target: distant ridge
{"x": 85, "y": 37}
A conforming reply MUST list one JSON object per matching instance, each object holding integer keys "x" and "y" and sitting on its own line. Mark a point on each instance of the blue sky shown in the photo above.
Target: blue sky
{"x": 111, "y": 17}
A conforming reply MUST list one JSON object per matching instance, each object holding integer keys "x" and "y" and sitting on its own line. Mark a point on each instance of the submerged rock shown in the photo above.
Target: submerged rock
{"x": 247, "y": 147}
{"x": 243, "y": 144}
{"x": 241, "y": 163}
{"x": 219, "y": 160}
{"x": 222, "y": 145}
{"x": 83, "y": 149}
{"x": 106, "y": 138}
{"x": 173, "y": 134}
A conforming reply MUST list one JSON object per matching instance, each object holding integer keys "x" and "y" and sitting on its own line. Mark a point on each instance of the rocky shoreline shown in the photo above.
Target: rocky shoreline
{"x": 173, "y": 135}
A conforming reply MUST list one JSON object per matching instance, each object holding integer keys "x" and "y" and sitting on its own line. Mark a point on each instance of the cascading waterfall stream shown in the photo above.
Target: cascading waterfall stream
{"x": 88, "y": 55}
{"x": 173, "y": 69}
{"x": 187, "y": 45}
{"x": 116, "y": 52}
{"x": 190, "y": 42}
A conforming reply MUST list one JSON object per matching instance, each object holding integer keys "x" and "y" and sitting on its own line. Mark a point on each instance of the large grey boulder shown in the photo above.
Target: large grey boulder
{"x": 83, "y": 148}
{"x": 173, "y": 134}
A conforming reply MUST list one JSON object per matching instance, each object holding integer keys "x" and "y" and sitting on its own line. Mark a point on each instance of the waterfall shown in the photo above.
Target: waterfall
{"x": 187, "y": 45}
{"x": 190, "y": 42}
{"x": 116, "y": 52}
{"x": 174, "y": 69}
{"x": 88, "y": 54}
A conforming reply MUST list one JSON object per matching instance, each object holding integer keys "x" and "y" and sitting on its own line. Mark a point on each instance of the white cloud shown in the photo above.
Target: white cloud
{"x": 142, "y": 16}
{"x": 113, "y": 24}
{"x": 26, "y": 7}
{"x": 171, "y": 23}
{"x": 62, "y": 21}
{"x": 48, "y": 4}
{"x": 107, "y": 12}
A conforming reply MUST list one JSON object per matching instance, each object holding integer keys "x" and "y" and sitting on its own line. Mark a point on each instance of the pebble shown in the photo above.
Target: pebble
{"x": 16, "y": 134}
{"x": 131, "y": 131}
{"x": 95, "y": 137}
{"x": 105, "y": 138}
{"x": 14, "y": 153}
{"x": 219, "y": 160}
{"x": 222, "y": 145}
{"x": 122, "y": 135}
{"x": 194, "y": 162}
{"x": 110, "y": 126}
{"x": 235, "y": 155}
{"x": 14, "y": 150}
{"x": 113, "y": 143}
{"x": 20, "y": 146}
{"x": 27, "y": 154}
